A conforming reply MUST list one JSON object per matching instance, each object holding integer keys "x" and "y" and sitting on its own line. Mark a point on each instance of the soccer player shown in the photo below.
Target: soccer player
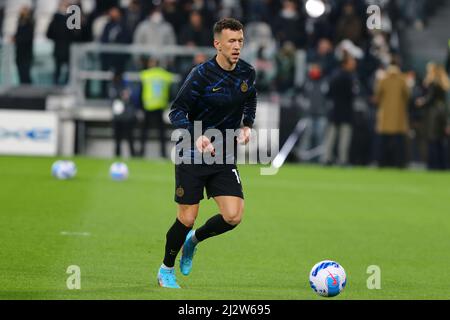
{"x": 220, "y": 94}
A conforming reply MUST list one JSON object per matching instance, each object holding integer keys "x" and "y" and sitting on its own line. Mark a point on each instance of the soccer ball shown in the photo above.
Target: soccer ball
{"x": 118, "y": 171}
{"x": 327, "y": 278}
{"x": 64, "y": 169}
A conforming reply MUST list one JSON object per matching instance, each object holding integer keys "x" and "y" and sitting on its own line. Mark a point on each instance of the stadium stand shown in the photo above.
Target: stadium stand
{"x": 272, "y": 27}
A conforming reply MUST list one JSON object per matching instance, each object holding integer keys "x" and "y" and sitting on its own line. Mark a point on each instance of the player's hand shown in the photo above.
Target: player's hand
{"x": 203, "y": 145}
{"x": 244, "y": 135}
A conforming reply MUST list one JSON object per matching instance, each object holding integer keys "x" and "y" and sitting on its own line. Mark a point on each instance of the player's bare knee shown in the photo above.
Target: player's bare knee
{"x": 187, "y": 215}
{"x": 234, "y": 214}
{"x": 235, "y": 221}
{"x": 234, "y": 218}
{"x": 188, "y": 221}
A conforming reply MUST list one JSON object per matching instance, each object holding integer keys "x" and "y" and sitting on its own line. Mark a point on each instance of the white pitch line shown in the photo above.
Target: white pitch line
{"x": 75, "y": 234}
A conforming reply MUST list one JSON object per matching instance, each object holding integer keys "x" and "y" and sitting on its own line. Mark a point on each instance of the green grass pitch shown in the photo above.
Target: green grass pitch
{"x": 115, "y": 232}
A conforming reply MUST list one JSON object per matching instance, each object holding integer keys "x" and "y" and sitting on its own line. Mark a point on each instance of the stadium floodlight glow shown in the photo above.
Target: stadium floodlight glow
{"x": 315, "y": 8}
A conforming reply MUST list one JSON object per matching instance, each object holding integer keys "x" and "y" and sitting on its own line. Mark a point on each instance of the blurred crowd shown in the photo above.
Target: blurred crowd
{"x": 350, "y": 87}
{"x": 275, "y": 30}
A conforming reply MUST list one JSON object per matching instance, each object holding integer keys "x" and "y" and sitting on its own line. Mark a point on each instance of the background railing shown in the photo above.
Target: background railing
{"x": 87, "y": 71}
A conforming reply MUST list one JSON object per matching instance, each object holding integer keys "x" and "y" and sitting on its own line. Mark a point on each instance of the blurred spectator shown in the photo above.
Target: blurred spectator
{"x": 98, "y": 26}
{"x": 414, "y": 12}
{"x": 23, "y": 40}
{"x": 124, "y": 114}
{"x": 266, "y": 70}
{"x": 105, "y": 5}
{"x": 195, "y": 33}
{"x": 133, "y": 16}
{"x": 347, "y": 47}
{"x": 2, "y": 17}
{"x": 380, "y": 48}
{"x": 230, "y": 8}
{"x": 114, "y": 33}
{"x": 342, "y": 94}
{"x": 289, "y": 25}
{"x": 62, "y": 38}
{"x": 258, "y": 33}
{"x": 255, "y": 10}
{"x": 392, "y": 96}
{"x": 170, "y": 9}
{"x": 324, "y": 56}
{"x": 320, "y": 28}
{"x": 448, "y": 58}
{"x": 199, "y": 58}
{"x": 208, "y": 10}
{"x": 156, "y": 85}
{"x": 155, "y": 31}
{"x": 84, "y": 34}
{"x": 315, "y": 107}
{"x": 285, "y": 65}
{"x": 435, "y": 103}
{"x": 350, "y": 25}
{"x": 260, "y": 41}
{"x": 417, "y": 120}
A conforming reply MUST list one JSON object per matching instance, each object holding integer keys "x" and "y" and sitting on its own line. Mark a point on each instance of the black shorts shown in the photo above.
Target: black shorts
{"x": 217, "y": 179}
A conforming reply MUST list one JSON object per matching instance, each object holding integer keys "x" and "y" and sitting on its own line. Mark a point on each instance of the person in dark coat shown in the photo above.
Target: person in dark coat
{"x": 447, "y": 64}
{"x": 62, "y": 38}
{"x": 289, "y": 25}
{"x": 315, "y": 108}
{"x": 436, "y": 113}
{"x": 342, "y": 94}
{"x": 195, "y": 33}
{"x": 114, "y": 32}
{"x": 23, "y": 40}
{"x": 124, "y": 114}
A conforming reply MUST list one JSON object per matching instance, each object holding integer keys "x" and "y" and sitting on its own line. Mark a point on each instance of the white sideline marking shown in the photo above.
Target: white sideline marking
{"x": 76, "y": 234}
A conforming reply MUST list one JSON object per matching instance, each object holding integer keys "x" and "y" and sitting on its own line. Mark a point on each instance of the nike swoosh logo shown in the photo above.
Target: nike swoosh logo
{"x": 216, "y": 89}
{"x": 334, "y": 279}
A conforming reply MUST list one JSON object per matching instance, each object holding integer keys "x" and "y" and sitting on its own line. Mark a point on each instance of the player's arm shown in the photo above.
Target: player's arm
{"x": 249, "y": 112}
{"x": 250, "y": 103}
{"x": 184, "y": 102}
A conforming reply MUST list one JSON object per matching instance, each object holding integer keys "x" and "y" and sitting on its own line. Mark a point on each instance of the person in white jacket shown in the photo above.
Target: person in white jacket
{"x": 155, "y": 31}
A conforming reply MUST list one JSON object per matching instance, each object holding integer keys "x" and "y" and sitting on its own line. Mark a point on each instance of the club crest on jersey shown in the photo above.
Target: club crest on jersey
{"x": 179, "y": 192}
{"x": 244, "y": 86}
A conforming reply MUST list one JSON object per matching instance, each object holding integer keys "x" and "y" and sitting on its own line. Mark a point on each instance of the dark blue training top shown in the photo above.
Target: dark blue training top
{"x": 218, "y": 98}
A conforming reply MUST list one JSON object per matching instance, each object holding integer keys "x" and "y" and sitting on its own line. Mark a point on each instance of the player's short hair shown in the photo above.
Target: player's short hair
{"x": 227, "y": 23}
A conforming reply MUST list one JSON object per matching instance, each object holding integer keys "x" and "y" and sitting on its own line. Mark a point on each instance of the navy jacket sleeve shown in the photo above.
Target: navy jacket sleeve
{"x": 250, "y": 104}
{"x": 185, "y": 101}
